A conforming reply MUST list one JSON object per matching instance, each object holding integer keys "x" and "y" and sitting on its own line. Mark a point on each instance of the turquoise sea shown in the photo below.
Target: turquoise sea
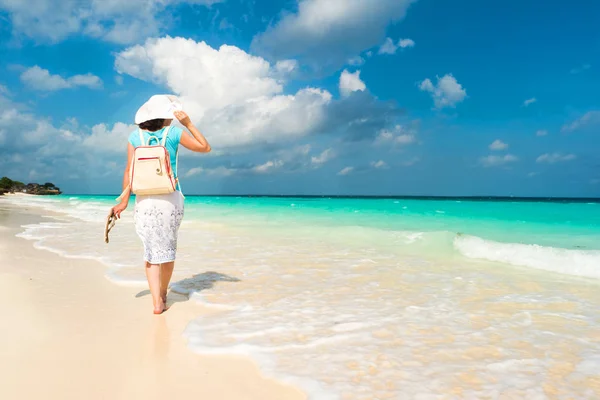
{"x": 361, "y": 298}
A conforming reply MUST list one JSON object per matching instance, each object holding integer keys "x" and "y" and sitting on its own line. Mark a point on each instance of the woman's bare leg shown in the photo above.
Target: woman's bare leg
{"x": 153, "y": 275}
{"x": 166, "y": 271}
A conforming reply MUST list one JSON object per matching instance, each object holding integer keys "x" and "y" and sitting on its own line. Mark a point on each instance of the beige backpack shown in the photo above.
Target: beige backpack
{"x": 150, "y": 171}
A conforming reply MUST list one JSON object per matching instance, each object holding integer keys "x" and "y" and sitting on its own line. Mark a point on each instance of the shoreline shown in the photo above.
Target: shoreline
{"x": 78, "y": 335}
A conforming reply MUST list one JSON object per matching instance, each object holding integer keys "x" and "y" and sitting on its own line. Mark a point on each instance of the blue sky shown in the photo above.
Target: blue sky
{"x": 394, "y": 97}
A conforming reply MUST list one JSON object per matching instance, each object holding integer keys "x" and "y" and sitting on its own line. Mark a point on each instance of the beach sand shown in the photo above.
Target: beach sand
{"x": 66, "y": 332}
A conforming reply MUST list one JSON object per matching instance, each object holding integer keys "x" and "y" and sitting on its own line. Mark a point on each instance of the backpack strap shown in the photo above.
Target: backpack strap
{"x": 141, "y": 137}
{"x": 176, "y": 174}
{"x": 164, "y": 139}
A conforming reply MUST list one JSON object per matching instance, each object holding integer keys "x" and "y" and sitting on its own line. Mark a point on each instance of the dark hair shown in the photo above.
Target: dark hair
{"x": 153, "y": 125}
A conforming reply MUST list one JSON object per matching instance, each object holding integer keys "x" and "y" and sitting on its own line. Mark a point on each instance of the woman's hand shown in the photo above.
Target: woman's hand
{"x": 118, "y": 209}
{"x": 183, "y": 118}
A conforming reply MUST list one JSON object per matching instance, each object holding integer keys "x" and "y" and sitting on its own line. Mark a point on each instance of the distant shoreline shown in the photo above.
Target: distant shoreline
{"x": 28, "y": 194}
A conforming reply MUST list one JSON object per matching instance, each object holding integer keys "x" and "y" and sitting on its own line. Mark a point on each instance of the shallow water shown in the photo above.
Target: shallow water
{"x": 362, "y": 299}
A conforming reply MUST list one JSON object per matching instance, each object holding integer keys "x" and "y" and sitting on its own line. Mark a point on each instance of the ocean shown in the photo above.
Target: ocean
{"x": 386, "y": 298}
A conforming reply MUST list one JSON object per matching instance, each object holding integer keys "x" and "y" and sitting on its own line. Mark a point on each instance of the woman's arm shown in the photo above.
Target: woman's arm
{"x": 119, "y": 208}
{"x": 197, "y": 142}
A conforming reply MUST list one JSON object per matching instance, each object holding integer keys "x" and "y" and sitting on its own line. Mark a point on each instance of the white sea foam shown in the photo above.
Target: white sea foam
{"x": 584, "y": 263}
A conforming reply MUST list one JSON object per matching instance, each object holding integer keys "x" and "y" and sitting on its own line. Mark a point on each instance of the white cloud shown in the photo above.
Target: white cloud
{"x": 494, "y": 161}
{"x": 541, "y": 132}
{"x": 356, "y": 61}
{"x": 119, "y": 80}
{"x": 552, "y": 158}
{"x": 235, "y": 97}
{"x": 399, "y": 135}
{"x": 285, "y": 67}
{"x": 346, "y": 171}
{"x": 322, "y": 158}
{"x": 104, "y": 139}
{"x": 351, "y": 82}
{"x": 498, "y": 145}
{"x": 404, "y": 43}
{"x": 218, "y": 171}
{"x": 329, "y": 32}
{"x": 446, "y": 93}
{"x": 529, "y": 101}
{"x": 112, "y": 20}
{"x": 269, "y": 166}
{"x": 379, "y": 164}
{"x": 40, "y": 79}
{"x": 59, "y": 152}
{"x": 580, "y": 69}
{"x": 589, "y": 118}
{"x": 389, "y": 47}
{"x": 405, "y": 138}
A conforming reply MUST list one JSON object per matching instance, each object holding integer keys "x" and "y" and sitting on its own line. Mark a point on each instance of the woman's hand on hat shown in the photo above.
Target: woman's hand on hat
{"x": 183, "y": 118}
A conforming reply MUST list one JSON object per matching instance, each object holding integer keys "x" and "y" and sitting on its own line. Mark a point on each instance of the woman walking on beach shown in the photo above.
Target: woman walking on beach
{"x": 158, "y": 216}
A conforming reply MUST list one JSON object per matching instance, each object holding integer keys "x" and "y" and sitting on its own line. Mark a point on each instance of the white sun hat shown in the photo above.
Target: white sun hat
{"x": 159, "y": 106}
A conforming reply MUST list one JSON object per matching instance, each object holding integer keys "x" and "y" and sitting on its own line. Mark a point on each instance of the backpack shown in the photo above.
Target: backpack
{"x": 150, "y": 171}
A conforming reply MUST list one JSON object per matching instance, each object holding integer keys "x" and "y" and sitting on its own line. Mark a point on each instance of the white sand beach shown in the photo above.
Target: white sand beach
{"x": 68, "y": 333}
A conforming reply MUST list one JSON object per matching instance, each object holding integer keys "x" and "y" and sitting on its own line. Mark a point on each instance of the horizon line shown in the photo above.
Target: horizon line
{"x": 349, "y": 196}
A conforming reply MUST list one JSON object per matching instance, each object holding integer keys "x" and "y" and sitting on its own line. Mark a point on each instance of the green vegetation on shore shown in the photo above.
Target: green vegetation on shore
{"x": 7, "y": 185}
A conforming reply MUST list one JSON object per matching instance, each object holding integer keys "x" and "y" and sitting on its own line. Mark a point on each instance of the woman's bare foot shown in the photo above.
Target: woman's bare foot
{"x": 160, "y": 308}
{"x": 163, "y": 296}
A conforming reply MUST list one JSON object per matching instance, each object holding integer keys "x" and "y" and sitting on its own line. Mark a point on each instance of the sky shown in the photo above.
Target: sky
{"x": 310, "y": 97}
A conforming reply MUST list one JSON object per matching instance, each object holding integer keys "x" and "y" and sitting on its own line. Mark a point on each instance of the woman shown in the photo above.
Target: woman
{"x": 158, "y": 217}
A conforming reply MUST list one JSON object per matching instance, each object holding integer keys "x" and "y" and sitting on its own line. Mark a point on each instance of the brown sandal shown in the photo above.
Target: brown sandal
{"x": 110, "y": 222}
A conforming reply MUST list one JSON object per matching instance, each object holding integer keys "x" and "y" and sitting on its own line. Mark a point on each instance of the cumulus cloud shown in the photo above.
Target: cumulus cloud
{"x": 356, "y": 61}
{"x": 498, "y": 145}
{"x": 447, "y": 92}
{"x": 38, "y": 78}
{"x": 404, "y": 43}
{"x": 379, "y": 164}
{"x": 351, "y": 82}
{"x": 529, "y": 101}
{"x": 322, "y": 158}
{"x": 551, "y": 158}
{"x": 112, "y": 20}
{"x": 229, "y": 170}
{"x": 61, "y": 153}
{"x": 389, "y": 47}
{"x": 217, "y": 171}
{"x": 329, "y": 32}
{"x": 360, "y": 116}
{"x": 235, "y": 97}
{"x": 267, "y": 167}
{"x": 398, "y": 135}
{"x": 589, "y": 118}
{"x": 494, "y": 161}
{"x": 346, "y": 171}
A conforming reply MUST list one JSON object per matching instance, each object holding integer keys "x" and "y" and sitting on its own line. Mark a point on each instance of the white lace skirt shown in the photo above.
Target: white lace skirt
{"x": 157, "y": 220}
